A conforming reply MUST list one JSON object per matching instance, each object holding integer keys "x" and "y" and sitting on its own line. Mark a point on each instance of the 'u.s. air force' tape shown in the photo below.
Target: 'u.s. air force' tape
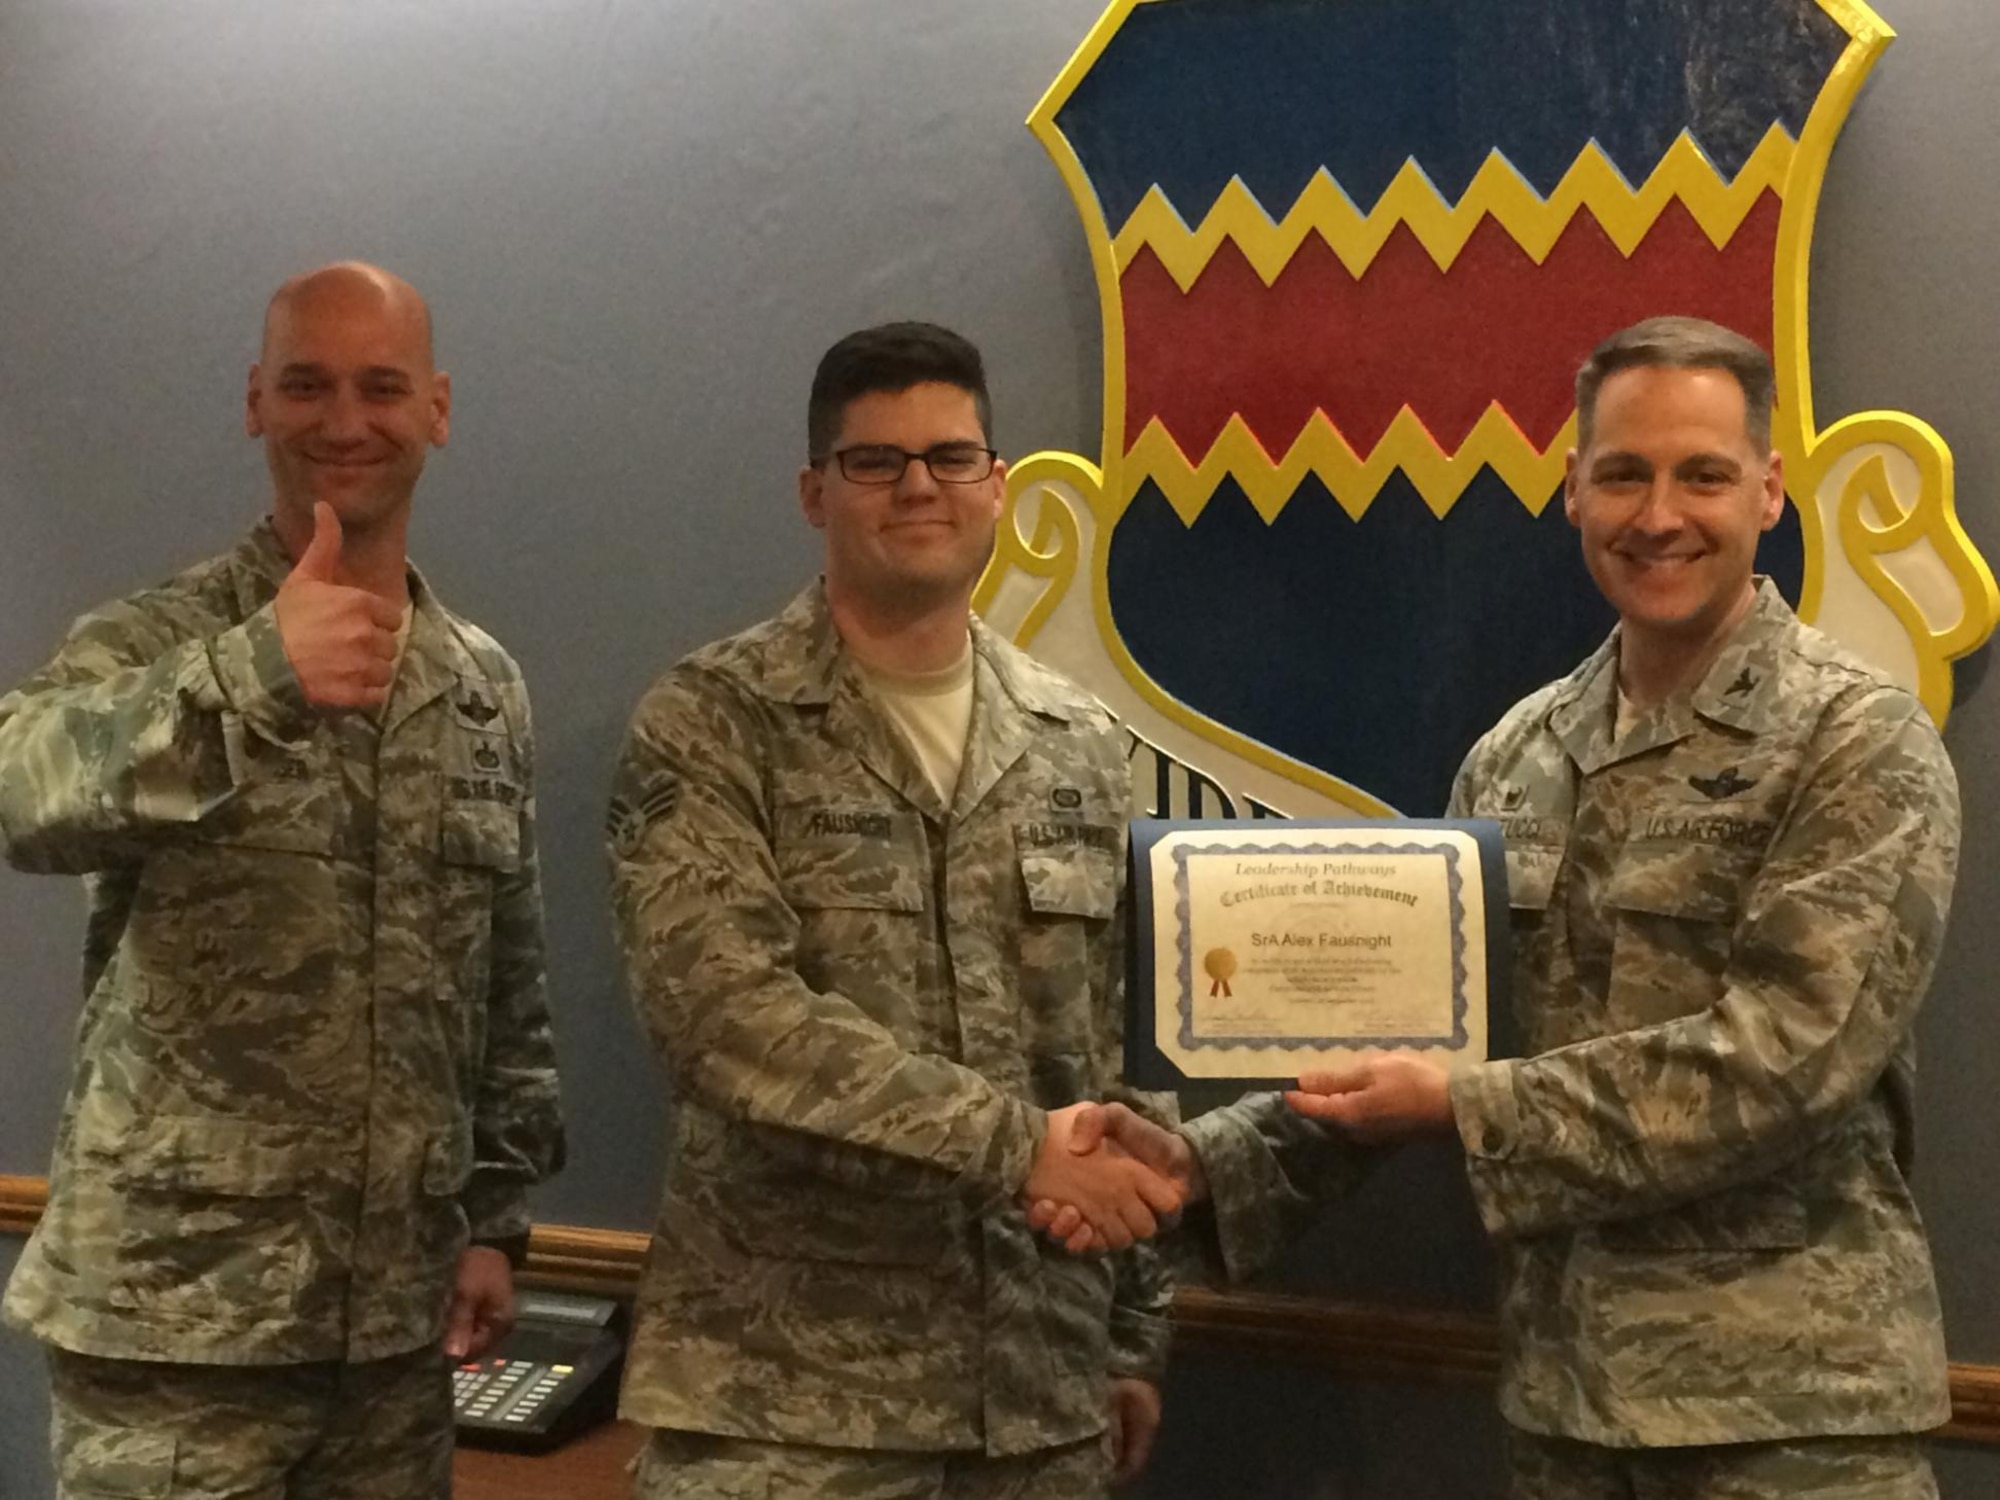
{"x": 632, "y": 814}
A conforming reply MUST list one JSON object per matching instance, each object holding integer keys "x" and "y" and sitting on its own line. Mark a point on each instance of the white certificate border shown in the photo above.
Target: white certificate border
{"x": 1184, "y": 943}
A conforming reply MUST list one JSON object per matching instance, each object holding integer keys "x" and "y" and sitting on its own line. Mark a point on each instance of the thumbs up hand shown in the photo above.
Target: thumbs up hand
{"x": 341, "y": 640}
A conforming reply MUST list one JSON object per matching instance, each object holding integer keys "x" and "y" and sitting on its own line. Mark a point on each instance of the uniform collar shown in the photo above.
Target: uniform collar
{"x": 1741, "y": 687}
{"x": 806, "y": 663}
{"x": 808, "y": 660}
{"x": 1739, "y": 690}
{"x": 436, "y": 662}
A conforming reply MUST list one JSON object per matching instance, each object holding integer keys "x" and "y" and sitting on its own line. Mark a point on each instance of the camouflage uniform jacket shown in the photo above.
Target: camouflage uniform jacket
{"x": 1724, "y": 922}
{"x": 314, "y": 1050}
{"x": 866, "y": 1000}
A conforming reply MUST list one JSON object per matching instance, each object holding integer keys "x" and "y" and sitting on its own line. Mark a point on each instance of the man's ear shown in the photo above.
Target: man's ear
{"x": 440, "y": 409}
{"x": 812, "y": 495}
{"x": 1774, "y": 492}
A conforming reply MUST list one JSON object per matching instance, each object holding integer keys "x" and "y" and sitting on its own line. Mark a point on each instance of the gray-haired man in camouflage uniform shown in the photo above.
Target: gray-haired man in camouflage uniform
{"x": 1730, "y": 847}
{"x": 867, "y": 860}
{"x": 314, "y": 1056}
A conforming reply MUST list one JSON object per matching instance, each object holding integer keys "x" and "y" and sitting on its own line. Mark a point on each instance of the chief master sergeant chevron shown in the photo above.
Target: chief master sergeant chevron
{"x": 1731, "y": 848}
{"x": 314, "y": 1057}
{"x": 867, "y": 858}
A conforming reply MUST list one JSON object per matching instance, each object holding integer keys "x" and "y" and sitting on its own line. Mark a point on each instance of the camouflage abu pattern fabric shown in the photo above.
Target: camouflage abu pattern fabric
{"x": 702, "y": 1466}
{"x": 866, "y": 1000}
{"x": 375, "y": 1431}
{"x": 1271, "y": 1172}
{"x": 1724, "y": 923}
{"x": 314, "y": 1050}
{"x": 1822, "y": 1468}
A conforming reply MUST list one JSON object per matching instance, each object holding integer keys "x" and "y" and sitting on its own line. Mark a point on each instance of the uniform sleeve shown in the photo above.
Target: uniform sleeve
{"x": 1270, "y": 1172}
{"x": 517, "y": 1125}
{"x": 1141, "y": 1331}
{"x": 1142, "y": 1293}
{"x": 138, "y": 727}
{"x": 1834, "y": 945}
{"x": 710, "y": 946}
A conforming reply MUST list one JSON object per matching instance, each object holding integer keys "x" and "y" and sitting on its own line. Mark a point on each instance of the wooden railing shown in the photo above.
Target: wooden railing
{"x": 1359, "y": 1341}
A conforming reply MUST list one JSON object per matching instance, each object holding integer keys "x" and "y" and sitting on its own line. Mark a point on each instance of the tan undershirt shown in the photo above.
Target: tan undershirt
{"x": 1626, "y": 716}
{"x": 933, "y": 710}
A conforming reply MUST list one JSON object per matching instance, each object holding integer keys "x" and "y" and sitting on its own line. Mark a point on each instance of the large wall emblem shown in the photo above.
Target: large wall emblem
{"x": 1349, "y": 254}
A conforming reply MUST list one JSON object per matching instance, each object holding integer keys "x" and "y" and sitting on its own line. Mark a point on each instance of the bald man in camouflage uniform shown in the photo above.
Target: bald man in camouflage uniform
{"x": 867, "y": 859}
{"x": 1730, "y": 851}
{"x": 313, "y": 1074}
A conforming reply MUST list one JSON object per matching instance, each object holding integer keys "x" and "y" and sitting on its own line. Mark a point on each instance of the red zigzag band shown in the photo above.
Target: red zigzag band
{"x": 1496, "y": 327}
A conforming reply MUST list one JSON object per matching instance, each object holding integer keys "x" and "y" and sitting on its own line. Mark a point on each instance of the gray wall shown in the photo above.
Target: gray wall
{"x": 639, "y": 223}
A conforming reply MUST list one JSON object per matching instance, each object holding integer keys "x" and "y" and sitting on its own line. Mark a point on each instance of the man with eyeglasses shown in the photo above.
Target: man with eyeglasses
{"x": 867, "y": 862}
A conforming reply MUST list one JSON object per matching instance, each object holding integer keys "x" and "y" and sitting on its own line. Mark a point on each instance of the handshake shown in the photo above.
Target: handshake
{"x": 1107, "y": 1176}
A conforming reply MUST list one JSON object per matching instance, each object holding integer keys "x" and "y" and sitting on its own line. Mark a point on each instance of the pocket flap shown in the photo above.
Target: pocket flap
{"x": 129, "y": 1464}
{"x": 287, "y": 815}
{"x": 1702, "y": 882}
{"x": 1760, "y": 1216}
{"x": 1080, "y": 881}
{"x": 211, "y": 1154}
{"x": 835, "y": 858}
{"x": 1531, "y": 875}
{"x": 486, "y": 835}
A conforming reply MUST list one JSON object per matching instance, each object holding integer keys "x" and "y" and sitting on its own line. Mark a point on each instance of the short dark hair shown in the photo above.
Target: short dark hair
{"x": 892, "y": 357}
{"x": 1681, "y": 344}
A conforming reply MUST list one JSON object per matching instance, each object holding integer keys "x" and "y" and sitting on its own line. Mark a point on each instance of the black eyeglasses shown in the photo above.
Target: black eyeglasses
{"x": 883, "y": 463}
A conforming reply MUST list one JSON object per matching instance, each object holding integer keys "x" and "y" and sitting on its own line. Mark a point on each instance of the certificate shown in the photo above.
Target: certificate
{"x": 1264, "y": 949}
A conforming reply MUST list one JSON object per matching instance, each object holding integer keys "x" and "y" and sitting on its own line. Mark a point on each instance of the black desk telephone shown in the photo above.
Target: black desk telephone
{"x": 553, "y": 1376}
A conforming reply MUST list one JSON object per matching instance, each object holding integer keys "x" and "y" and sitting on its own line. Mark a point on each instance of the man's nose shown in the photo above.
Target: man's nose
{"x": 345, "y": 418}
{"x": 1660, "y": 509}
{"x": 917, "y": 482}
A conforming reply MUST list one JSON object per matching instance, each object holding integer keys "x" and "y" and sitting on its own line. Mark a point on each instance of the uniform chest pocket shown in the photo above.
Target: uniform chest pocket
{"x": 292, "y": 806}
{"x": 1675, "y": 906}
{"x": 478, "y": 843}
{"x": 858, "y": 883}
{"x": 849, "y": 859}
{"x": 480, "y": 835}
{"x": 1531, "y": 876}
{"x": 1680, "y": 878}
{"x": 1070, "y": 891}
{"x": 1078, "y": 880}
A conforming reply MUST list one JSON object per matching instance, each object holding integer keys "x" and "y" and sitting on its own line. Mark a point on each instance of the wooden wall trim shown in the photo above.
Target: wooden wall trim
{"x": 1358, "y": 1341}
{"x": 21, "y": 1202}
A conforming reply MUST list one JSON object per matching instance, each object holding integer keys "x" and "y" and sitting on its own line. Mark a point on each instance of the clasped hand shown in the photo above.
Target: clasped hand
{"x": 1107, "y": 1176}
{"x": 1109, "y": 1194}
{"x": 1130, "y": 1162}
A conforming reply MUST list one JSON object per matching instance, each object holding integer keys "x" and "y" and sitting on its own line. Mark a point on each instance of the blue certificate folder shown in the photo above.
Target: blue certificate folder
{"x": 1147, "y": 993}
